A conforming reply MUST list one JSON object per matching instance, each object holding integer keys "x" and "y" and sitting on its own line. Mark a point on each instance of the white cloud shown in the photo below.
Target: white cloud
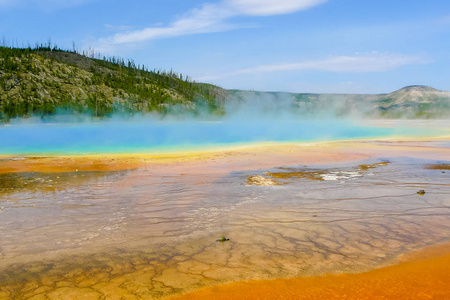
{"x": 212, "y": 18}
{"x": 358, "y": 63}
{"x": 270, "y": 7}
{"x": 206, "y": 19}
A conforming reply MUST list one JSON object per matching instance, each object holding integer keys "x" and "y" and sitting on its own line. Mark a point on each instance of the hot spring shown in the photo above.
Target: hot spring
{"x": 150, "y": 136}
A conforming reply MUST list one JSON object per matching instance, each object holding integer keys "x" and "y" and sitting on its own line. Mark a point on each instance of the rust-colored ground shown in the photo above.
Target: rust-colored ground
{"x": 421, "y": 277}
{"x": 222, "y": 161}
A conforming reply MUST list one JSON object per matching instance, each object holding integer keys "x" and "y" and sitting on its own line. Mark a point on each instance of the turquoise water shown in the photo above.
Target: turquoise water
{"x": 167, "y": 136}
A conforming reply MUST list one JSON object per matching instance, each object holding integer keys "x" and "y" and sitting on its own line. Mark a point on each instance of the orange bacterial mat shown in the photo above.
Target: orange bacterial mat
{"x": 417, "y": 279}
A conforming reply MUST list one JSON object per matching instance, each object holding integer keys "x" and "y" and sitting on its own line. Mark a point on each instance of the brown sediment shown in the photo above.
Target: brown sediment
{"x": 426, "y": 275}
{"x": 13, "y": 182}
{"x": 319, "y": 175}
{"x": 310, "y": 175}
{"x": 372, "y": 166}
{"x": 261, "y": 180}
{"x": 439, "y": 167}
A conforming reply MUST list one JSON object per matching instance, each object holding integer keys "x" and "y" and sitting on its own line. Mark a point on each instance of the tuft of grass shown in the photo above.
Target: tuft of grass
{"x": 223, "y": 239}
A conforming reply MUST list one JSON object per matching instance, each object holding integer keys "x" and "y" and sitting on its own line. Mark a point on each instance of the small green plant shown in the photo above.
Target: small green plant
{"x": 223, "y": 239}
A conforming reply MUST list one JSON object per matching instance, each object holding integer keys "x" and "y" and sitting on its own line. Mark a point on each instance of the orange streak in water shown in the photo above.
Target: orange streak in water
{"x": 419, "y": 279}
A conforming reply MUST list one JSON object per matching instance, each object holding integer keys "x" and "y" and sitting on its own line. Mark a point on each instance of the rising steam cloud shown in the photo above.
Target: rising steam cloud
{"x": 250, "y": 118}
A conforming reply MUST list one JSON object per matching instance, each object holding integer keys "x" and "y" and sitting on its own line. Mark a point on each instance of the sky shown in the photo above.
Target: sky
{"x": 305, "y": 46}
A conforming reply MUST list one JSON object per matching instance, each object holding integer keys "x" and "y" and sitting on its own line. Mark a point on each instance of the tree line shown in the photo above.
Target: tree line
{"x": 45, "y": 79}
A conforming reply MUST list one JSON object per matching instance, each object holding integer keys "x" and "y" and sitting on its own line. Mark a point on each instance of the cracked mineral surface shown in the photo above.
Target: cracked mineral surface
{"x": 150, "y": 230}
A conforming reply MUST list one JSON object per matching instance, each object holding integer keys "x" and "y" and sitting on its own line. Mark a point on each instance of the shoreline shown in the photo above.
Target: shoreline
{"x": 128, "y": 161}
{"x": 422, "y": 273}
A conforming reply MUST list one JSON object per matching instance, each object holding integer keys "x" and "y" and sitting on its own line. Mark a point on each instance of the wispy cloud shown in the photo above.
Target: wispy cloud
{"x": 358, "y": 63}
{"x": 118, "y": 27}
{"x": 270, "y": 7}
{"x": 209, "y": 18}
{"x": 212, "y": 17}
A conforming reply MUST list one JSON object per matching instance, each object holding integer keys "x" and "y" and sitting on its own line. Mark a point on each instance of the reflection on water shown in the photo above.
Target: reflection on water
{"x": 144, "y": 233}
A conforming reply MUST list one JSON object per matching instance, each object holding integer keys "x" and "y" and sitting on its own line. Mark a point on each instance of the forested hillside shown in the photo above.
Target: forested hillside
{"x": 43, "y": 81}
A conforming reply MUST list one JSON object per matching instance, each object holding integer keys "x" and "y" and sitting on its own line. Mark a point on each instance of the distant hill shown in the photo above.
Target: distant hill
{"x": 45, "y": 81}
{"x": 415, "y": 101}
{"x": 409, "y": 102}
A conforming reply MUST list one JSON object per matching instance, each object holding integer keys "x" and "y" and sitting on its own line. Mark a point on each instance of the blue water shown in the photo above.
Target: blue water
{"x": 167, "y": 136}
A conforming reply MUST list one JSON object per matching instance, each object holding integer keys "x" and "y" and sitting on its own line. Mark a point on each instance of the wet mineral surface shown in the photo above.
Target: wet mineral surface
{"x": 148, "y": 233}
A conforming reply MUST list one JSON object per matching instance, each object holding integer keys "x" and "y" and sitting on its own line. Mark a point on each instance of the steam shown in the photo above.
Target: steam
{"x": 250, "y": 118}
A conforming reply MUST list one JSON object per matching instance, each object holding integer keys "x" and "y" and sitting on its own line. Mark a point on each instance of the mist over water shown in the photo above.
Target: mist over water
{"x": 257, "y": 119}
{"x": 151, "y": 136}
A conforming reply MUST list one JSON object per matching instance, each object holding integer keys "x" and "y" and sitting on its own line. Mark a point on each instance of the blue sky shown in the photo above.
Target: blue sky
{"x": 343, "y": 46}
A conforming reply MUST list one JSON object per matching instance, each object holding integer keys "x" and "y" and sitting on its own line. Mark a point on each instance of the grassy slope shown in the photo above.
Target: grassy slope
{"x": 43, "y": 82}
